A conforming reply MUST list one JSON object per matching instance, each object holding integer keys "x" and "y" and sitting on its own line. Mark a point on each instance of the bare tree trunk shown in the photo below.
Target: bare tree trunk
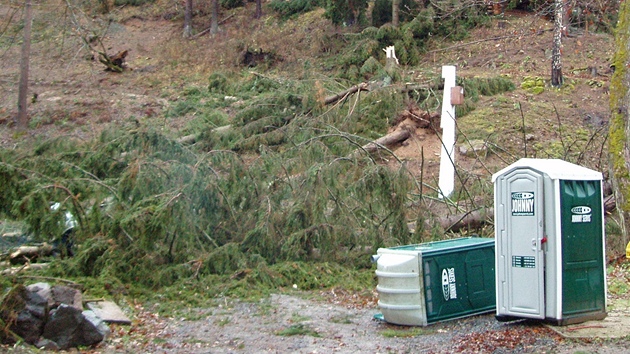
{"x": 556, "y": 56}
{"x": 188, "y": 19}
{"x": 395, "y": 10}
{"x": 214, "y": 22}
{"x": 258, "y": 13}
{"x": 619, "y": 133}
{"x": 22, "y": 116}
{"x": 387, "y": 141}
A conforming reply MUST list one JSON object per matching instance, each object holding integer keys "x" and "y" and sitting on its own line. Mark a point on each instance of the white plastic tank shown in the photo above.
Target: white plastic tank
{"x": 400, "y": 289}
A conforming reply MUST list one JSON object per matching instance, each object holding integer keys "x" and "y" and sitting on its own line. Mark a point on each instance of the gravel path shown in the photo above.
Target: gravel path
{"x": 296, "y": 324}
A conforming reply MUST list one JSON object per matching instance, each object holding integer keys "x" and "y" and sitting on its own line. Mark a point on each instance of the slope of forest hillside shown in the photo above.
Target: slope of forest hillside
{"x": 236, "y": 164}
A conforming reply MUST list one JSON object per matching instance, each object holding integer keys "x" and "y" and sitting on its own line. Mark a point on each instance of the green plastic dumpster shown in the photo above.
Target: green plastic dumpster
{"x": 549, "y": 231}
{"x": 436, "y": 281}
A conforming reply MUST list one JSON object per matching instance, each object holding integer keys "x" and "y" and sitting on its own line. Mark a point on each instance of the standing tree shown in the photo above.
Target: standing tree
{"x": 619, "y": 134}
{"x": 188, "y": 19}
{"x": 556, "y": 54}
{"x": 214, "y": 21}
{"x": 22, "y": 116}
{"x": 395, "y": 10}
{"x": 258, "y": 13}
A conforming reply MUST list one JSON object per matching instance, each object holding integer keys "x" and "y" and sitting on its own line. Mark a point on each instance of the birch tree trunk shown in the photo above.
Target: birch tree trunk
{"x": 22, "y": 116}
{"x": 619, "y": 133}
{"x": 556, "y": 54}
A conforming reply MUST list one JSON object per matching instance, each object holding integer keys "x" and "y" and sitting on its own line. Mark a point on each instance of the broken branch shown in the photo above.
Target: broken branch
{"x": 342, "y": 95}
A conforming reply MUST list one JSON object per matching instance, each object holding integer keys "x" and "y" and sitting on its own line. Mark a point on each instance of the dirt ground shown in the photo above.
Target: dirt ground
{"x": 337, "y": 322}
{"x": 76, "y": 98}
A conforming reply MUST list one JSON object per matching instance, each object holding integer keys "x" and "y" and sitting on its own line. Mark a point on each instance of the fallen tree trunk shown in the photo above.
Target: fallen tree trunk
{"x": 387, "y": 141}
{"x": 390, "y": 139}
{"x": 28, "y": 266}
{"x": 354, "y": 89}
{"x": 192, "y": 138}
{"x": 474, "y": 219}
{"x": 25, "y": 254}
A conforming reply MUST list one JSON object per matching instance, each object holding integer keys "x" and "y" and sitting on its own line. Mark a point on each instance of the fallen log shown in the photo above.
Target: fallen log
{"x": 192, "y": 138}
{"x": 342, "y": 95}
{"x": 393, "y": 138}
{"x": 27, "y": 266}
{"x": 388, "y": 140}
{"x": 474, "y": 219}
{"x": 25, "y": 254}
{"x": 210, "y": 28}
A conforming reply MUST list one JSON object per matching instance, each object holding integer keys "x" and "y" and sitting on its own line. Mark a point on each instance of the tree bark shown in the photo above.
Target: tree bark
{"x": 474, "y": 219}
{"x": 556, "y": 55}
{"x": 388, "y": 140}
{"x": 258, "y": 13}
{"x": 619, "y": 130}
{"x": 334, "y": 98}
{"x": 188, "y": 19}
{"x": 27, "y": 253}
{"x": 22, "y": 116}
{"x": 395, "y": 11}
{"x": 214, "y": 21}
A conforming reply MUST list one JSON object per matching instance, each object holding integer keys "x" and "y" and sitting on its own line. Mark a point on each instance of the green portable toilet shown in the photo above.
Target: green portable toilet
{"x": 436, "y": 281}
{"x": 549, "y": 232}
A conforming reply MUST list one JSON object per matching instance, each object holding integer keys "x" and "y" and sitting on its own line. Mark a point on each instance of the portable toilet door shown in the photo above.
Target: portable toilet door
{"x": 519, "y": 234}
{"x": 549, "y": 235}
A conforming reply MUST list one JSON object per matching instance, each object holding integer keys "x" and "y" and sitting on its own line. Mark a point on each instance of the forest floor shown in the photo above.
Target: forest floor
{"x": 76, "y": 97}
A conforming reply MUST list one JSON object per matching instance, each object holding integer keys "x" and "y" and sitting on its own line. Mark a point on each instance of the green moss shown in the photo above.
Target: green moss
{"x": 619, "y": 98}
{"x": 535, "y": 85}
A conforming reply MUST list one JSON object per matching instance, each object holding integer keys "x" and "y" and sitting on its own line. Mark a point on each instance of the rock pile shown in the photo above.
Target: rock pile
{"x": 50, "y": 317}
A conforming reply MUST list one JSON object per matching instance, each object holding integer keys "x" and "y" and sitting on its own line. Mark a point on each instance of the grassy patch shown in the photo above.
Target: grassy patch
{"x": 298, "y": 330}
{"x": 341, "y": 319}
{"x": 405, "y": 333}
{"x": 296, "y": 317}
{"x": 223, "y": 321}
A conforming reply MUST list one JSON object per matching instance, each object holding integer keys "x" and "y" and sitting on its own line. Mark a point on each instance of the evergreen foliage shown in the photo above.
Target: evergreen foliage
{"x": 278, "y": 186}
{"x": 475, "y": 87}
{"x": 382, "y": 11}
{"x": 290, "y": 9}
{"x": 417, "y": 27}
{"x": 283, "y": 192}
{"x": 231, "y": 4}
{"x": 346, "y": 12}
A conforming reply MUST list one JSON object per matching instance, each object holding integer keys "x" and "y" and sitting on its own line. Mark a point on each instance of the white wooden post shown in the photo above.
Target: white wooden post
{"x": 446, "y": 182}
